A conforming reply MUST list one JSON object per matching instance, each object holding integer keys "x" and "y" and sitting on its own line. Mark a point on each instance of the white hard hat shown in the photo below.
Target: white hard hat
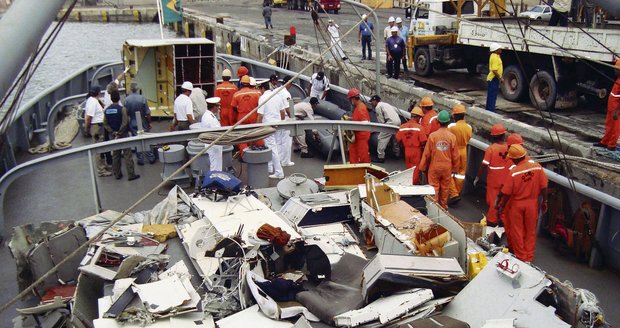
{"x": 252, "y": 81}
{"x": 391, "y": 19}
{"x": 213, "y": 100}
{"x": 187, "y": 85}
{"x": 226, "y": 73}
{"x": 494, "y": 47}
{"x": 394, "y": 29}
{"x": 364, "y": 16}
{"x": 399, "y": 20}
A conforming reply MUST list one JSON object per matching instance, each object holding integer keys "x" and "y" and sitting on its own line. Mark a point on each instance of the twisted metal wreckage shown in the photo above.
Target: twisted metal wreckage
{"x": 226, "y": 255}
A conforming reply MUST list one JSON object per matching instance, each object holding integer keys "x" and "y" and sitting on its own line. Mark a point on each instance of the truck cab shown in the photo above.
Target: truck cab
{"x": 325, "y": 5}
{"x": 435, "y": 17}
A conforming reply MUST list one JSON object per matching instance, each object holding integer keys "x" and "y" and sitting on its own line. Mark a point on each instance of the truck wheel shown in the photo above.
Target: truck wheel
{"x": 335, "y": 11}
{"x": 543, "y": 90}
{"x": 422, "y": 62}
{"x": 515, "y": 85}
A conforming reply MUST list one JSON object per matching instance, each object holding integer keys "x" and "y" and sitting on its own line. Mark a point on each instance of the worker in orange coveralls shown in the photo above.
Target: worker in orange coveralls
{"x": 243, "y": 102}
{"x": 523, "y": 187}
{"x": 462, "y": 131}
{"x": 358, "y": 151}
{"x": 512, "y": 139}
{"x": 412, "y": 136}
{"x": 429, "y": 121}
{"x": 440, "y": 159}
{"x": 612, "y": 123}
{"x": 226, "y": 91}
{"x": 496, "y": 164}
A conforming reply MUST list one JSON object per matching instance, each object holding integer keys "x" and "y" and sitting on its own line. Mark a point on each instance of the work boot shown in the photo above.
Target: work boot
{"x": 306, "y": 155}
{"x": 454, "y": 200}
{"x": 134, "y": 177}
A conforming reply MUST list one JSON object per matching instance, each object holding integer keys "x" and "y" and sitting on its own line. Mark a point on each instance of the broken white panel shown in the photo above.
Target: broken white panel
{"x": 385, "y": 308}
{"x": 270, "y": 307}
{"x": 162, "y": 295}
{"x": 254, "y": 316}
{"x": 333, "y": 239}
{"x": 499, "y": 323}
{"x": 192, "y": 320}
{"x": 103, "y": 305}
{"x": 411, "y": 190}
{"x": 113, "y": 323}
{"x": 510, "y": 298}
{"x": 227, "y": 217}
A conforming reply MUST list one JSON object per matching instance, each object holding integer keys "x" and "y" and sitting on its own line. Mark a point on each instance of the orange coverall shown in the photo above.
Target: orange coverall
{"x": 226, "y": 91}
{"x": 441, "y": 159}
{"x": 497, "y": 170}
{"x": 429, "y": 122}
{"x": 612, "y": 127}
{"x": 358, "y": 151}
{"x": 412, "y": 136}
{"x": 462, "y": 131}
{"x": 523, "y": 185}
{"x": 243, "y": 102}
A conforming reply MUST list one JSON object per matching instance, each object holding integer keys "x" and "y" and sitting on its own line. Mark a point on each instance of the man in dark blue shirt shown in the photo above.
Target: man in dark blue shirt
{"x": 395, "y": 48}
{"x": 116, "y": 123}
{"x": 365, "y": 36}
{"x": 135, "y": 102}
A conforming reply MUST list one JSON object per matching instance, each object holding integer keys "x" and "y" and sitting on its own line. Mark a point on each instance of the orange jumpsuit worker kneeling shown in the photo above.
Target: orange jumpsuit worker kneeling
{"x": 412, "y": 136}
{"x": 358, "y": 151}
{"x": 523, "y": 187}
{"x": 440, "y": 159}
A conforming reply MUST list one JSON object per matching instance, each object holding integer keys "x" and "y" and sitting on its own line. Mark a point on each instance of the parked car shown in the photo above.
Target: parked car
{"x": 279, "y": 3}
{"x": 541, "y": 12}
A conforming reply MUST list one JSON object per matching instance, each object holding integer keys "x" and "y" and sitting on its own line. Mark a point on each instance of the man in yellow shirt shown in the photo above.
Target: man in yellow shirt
{"x": 496, "y": 69}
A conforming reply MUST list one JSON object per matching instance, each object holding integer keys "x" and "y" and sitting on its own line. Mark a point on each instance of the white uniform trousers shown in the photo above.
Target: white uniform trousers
{"x": 274, "y": 164}
{"x": 215, "y": 157}
{"x": 285, "y": 145}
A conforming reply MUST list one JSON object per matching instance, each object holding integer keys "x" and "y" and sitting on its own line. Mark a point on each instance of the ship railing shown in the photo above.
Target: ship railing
{"x": 37, "y": 112}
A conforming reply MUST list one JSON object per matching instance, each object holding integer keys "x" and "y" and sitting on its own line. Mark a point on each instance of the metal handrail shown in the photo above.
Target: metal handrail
{"x": 145, "y": 140}
{"x": 565, "y": 182}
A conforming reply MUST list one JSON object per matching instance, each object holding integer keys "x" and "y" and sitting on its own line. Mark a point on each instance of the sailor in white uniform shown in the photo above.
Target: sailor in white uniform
{"x": 209, "y": 120}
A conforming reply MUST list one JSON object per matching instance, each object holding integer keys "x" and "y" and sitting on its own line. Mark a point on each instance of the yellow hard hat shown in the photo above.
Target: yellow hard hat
{"x": 426, "y": 102}
{"x": 417, "y": 111}
{"x": 245, "y": 79}
{"x": 458, "y": 109}
{"x": 516, "y": 152}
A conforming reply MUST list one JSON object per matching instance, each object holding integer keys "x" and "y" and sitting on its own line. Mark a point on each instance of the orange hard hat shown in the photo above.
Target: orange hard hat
{"x": 242, "y": 71}
{"x": 458, "y": 109}
{"x": 245, "y": 79}
{"x": 426, "y": 102}
{"x": 516, "y": 152}
{"x": 498, "y": 129}
{"x": 353, "y": 93}
{"x": 417, "y": 111}
{"x": 514, "y": 139}
{"x": 617, "y": 64}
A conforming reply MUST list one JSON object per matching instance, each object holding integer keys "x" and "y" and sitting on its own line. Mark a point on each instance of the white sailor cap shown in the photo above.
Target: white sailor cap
{"x": 213, "y": 100}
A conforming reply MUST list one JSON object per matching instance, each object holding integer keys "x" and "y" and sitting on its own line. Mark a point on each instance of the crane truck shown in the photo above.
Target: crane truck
{"x": 553, "y": 66}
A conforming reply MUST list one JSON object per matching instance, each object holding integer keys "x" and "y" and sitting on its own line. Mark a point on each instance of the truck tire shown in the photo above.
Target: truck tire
{"x": 515, "y": 85}
{"x": 543, "y": 90}
{"x": 422, "y": 62}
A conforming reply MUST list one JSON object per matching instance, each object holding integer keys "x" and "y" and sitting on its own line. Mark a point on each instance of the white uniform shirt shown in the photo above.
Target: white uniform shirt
{"x": 334, "y": 32}
{"x": 387, "y": 32}
{"x": 285, "y": 96}
{"x": 304, "y": 110}
{"x": 209, "y": 120}
{"x": 271, "y": 109}
{"x": 387, "y": 114}
{"x": 94, "y": 109}
{"x": 318, "y": 86}
{"x": 183, "y": 106}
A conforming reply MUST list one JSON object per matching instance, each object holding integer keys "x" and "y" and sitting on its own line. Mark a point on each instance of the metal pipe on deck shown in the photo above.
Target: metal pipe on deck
{"x": 21, "y": 30}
